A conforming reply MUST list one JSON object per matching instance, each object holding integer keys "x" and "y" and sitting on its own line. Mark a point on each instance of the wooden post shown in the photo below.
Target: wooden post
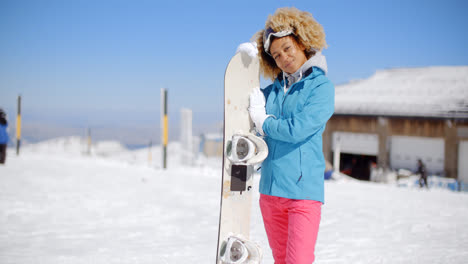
{"x": 327, "y": 144}
{"x": 451, "y": 150}
{"x": 383, "y": 133}
{"x": 337, "y": 154}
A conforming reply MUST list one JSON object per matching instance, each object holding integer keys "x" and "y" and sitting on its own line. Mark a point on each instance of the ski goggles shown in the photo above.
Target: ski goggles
{"x": 267, "y": 37}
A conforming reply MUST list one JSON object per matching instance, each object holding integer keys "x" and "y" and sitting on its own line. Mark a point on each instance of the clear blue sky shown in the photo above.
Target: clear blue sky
{"x": 90, "y": 62}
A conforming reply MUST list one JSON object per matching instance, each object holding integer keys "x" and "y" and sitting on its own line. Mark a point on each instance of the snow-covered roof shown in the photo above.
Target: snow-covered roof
{"x": 440, "y": 92}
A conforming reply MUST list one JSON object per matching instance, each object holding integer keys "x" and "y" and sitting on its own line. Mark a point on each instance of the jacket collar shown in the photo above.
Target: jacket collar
{"x": 308, "y": 74}
{"x": 316, "y": 63}
{"x": 304, "y": 75}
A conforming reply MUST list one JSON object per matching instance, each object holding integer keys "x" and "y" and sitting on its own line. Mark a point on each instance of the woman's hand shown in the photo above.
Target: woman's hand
{"x": 257, "y": 109}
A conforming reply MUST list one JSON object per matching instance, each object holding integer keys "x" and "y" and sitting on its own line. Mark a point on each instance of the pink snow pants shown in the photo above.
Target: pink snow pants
{"x": 292, "y": 228}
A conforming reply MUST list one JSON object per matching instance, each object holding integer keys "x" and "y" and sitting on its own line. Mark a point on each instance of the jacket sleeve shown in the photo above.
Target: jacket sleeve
{"x": 318, "y": 108}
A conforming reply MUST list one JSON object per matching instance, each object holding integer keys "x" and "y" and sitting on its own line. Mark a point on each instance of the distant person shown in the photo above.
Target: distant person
{"x": 348, "y": 168}
{"x": 422, "y": 173}
{"x": 3, "y": 136}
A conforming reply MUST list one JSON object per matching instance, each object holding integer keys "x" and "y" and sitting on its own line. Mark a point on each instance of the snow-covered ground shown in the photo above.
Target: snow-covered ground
{"x": 114, "y": 206}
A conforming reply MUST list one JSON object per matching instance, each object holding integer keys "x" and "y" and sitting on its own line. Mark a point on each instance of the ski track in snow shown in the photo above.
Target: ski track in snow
{"x": 70, "y": 208}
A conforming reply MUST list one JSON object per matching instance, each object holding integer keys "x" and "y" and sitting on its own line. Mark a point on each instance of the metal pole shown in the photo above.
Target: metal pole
{"x": 164, "y": 122}
{"x": 18, "y": 126}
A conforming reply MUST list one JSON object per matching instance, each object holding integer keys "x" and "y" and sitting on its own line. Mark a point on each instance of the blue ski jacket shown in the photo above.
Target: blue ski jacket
{"x": 3, "y": 134}
{"x": 295, "y": 164}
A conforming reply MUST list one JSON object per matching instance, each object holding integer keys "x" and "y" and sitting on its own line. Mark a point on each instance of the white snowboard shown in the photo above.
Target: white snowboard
{"x": 242, "y": 75}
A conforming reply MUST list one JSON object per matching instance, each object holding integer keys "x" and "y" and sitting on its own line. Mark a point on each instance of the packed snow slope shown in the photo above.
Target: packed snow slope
{"x": 58, "y": 205}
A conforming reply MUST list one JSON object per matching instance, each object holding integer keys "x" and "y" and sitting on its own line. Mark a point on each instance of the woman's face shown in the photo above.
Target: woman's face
{"x": 288, "y": 54}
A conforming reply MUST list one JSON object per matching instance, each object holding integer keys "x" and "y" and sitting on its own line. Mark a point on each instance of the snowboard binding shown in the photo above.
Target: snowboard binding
{"x": 246, "y": 149}
{"x": 240, "y": 251}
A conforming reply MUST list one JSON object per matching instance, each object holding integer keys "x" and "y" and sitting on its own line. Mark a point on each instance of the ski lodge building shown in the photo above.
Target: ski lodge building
{"x": 398, "y": 116}
{"x": 211, "y": 145}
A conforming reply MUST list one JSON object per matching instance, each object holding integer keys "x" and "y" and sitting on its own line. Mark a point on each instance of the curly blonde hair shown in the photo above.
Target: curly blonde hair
{"x": 306, "y": 31}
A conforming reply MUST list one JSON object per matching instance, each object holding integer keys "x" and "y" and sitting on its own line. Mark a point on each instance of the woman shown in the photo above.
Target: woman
{"x": 3, "y": 136}
{"x": 292, "y": 113}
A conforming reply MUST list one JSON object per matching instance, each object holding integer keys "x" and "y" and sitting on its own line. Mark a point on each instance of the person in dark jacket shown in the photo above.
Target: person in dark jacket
{"x": 422, "y": 174}
{"x": 3, "y": 136}
{"x": 292, "y": 113}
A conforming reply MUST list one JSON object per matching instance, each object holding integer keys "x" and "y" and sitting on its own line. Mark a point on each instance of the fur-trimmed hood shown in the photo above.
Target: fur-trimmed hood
{"x": 318, "y": 60}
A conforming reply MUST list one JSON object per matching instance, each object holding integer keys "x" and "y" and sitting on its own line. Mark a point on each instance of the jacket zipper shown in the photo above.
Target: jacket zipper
{"x": 285, "y": 94}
